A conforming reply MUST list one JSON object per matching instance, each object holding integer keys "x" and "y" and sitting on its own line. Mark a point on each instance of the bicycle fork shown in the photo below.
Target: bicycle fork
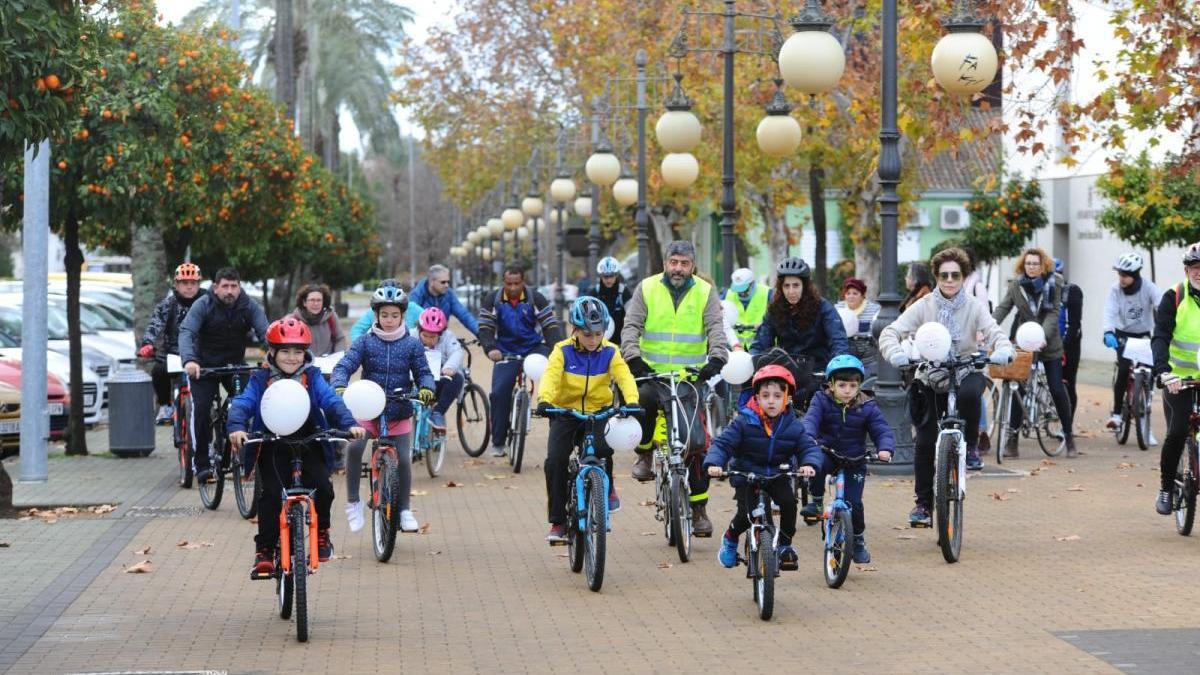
{"x": 285, "y": 532}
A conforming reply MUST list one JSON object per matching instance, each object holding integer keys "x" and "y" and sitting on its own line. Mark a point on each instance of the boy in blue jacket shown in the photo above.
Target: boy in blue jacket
{"x": 288, "y": 358}
{"x": 764, "y": 436}
{"x": 840, "y": 417}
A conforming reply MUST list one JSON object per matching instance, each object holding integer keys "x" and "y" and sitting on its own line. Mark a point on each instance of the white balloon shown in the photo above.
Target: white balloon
{"x": 730, "y": 311}
{"x": 932, "y": 341}
{"x": 622, "y": 434}
{"x": 610, "y": 329}
{"x": 535, "y": 365}
{"x": 365, "y": 399}
{"x": 739, "y": 368}
{"x": 1031, "y": 336}
{"x": 849, "y": 321}
{"x": 284, "y": 407}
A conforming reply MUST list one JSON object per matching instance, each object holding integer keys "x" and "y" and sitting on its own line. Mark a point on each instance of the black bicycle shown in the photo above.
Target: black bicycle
{"x": 760, "y": 550}
{"x": 1186, "y": 484}
{"x": 222, "y": 461}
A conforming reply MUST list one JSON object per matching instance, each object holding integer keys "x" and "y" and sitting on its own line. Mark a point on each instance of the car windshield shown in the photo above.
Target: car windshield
{"x": 89, "y": 320}
{"x": 56, "y": 322}
{"x": 7, "y": 340}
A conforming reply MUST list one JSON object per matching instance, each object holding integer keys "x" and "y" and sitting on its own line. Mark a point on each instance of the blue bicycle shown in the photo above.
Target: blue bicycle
{"x": 428, "y": 445}
{"x": 837, "y": 525}
{"x": 587, "y": 507}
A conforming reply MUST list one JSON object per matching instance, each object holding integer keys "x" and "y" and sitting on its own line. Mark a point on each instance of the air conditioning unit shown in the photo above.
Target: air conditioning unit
{"x": 919, "y": 219}
{"x": 955, "y": 218}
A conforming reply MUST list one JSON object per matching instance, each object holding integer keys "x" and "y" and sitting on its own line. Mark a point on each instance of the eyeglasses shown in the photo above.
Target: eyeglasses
{"x": 949, "y": 276}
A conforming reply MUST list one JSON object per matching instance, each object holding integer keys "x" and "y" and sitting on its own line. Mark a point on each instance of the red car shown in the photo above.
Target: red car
{"x": 56, "y": 400}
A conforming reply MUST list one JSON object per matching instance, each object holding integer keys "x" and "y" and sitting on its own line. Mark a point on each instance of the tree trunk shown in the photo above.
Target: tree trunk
{"x": 75, "y": 435}
{"x": 778, "y": 240}
{"x": 285, "y": 68}
{"x": 867, "y": 262}
{"x": 149, "y": 271}
{"x": 816, "y": 197}
{"x": 1153, "y": 275}
{"x": 662, "y": 221}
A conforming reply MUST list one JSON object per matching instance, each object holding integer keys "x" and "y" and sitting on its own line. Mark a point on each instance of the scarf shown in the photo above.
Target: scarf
{"x": 277, "y": 374}
{"x": 309, "y": 318}
{"x": 389, "y": 336}
{"x": 947, "y": 315}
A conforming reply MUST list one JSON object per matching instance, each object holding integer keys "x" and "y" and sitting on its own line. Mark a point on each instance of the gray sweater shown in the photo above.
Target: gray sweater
{"x": 1131, "y": 313}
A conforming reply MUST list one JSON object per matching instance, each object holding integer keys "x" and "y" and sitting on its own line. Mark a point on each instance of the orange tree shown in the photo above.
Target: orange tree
{"x": 1152, "y": 205}
{"x": 1002, "y": 222}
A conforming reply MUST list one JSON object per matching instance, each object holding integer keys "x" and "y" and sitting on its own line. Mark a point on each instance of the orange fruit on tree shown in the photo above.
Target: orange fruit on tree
{"x": 62, "y": 166}
{"x": 40, "y": 84}
{"x": 52, "y": 82}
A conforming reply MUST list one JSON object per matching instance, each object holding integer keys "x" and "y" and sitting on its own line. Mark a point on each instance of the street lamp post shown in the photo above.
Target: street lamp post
{"x": 641, "y": 216}
{"x": 534, "y": 208}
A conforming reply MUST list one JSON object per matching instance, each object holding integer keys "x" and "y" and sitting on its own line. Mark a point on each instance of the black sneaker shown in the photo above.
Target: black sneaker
{"x": 811, "y": 512}
{"x": 1163, "y": 503}
{"x": 919, "y": 517}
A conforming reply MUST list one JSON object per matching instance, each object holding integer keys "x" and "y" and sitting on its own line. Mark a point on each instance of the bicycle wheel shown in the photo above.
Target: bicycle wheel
{"x": 1126, "y": 414}
{"x": 765, "y": 573}
{"x": 300, "y": 569}
{"x": 245, "y": 488}
{"x": 947, "y": 502}
{"x": 474, "y": 420}
{"x": 385, "y": 514}
{"x": 595, "y": 531}
{"x": 183, "y": 441}
{"x": 681, "y": 517}
{"x": 1184, "y": 497}
{"x": 1141, "y": 413}
{"x": 211, "y": 491}
{"x": 516, "y": 435}
{"x": 1049, "y": 427}
{"x": 838, "y": 548}
{"x": 435, "y": 453}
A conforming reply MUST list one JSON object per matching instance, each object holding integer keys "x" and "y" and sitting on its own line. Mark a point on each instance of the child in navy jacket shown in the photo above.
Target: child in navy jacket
{"x": 840, "y": 417}
{"x": 764, "y": 436}
{"x": 288, "y": 358}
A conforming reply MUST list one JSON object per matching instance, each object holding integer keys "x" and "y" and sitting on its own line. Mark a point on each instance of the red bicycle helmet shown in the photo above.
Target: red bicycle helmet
{"x": 289, "y": 332}
{"x": 432, "y": 320}
{"x": 774, "y": 372}
{"x": 187, "y": 272}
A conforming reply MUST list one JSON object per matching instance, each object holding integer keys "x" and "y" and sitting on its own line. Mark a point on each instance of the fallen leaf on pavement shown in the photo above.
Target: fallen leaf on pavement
{"x": 144, "y": 551}
{"x": 906, "y": 536}
{"x": 512, "y": 487}
{"x": 4, "y": 544}
{"x": 999, "y": 497}
{"x": 872, "y": 568}
{"x": 495, "y": 476}
{"x": 433, "y": 553}
{"x": 1141, "y": 485}
{"x": 342, "y": 557}
{"x": 648, "y": 534}
{"x": 194, "y": 544}
{"x": 1070, "y": 470}
{"x": 1069, "y": 537}
{"x": 665, "y": 565}
{"x": 1076, "y": 488}
{"x": 452, "y": 484}
{"x": 1034, "y": 472}
{"x": 104, "y": 508}
{"x": 144, "y": 567}
{"x": 1049, "y": 462}
{"x": 1012, "y": 490}
{"x": 899, "y": 527}
{"x": 418, "y": 493}
{"x": 425, "y": 528}
{"x": 474, "y": 462}
{"x": 888, "y": 484}
{"x": 646, "y": 502}
{"x": 1126, "y": 465}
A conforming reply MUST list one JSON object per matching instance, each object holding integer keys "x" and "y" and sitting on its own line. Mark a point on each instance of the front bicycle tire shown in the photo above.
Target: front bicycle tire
{"x": 838, "y": 548}
{"x": 245, "y": 489}
{"x": 681, "y": 517}
{"x": 517, "y": 433}
{"x": 211, "y": 491}
{"x": 385, "y": 516}
{"x": 474, "y": 420}
{"x": 1141, "y": 415}
{"x": 1049, "y": 428}
{"x": 183, "y": 442}
{"x": 1126, "y": 415}
{"x": 595, "y": 532}
{"x": 947, "y": 502}
{"x": 1001, "y": 405}
{"x": 435, "y": 453}
{"x": 1184, "y": 494}
{"x": 300, "y": 569}
{"x": 575, "y": 534}
{"x": 764, "y": 581}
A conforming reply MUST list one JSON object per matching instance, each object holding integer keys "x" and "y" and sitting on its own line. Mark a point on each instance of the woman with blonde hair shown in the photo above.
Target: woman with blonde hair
{"x": 1035, "y": 293}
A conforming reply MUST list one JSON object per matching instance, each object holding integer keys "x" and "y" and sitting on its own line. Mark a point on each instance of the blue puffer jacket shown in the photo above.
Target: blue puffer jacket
{"x": 391, "y": 365}
{"x": 845, "y": 428}
{"x": 323, "y": 406}
{"x": 823, "y": 340}
{"x": 746, "y": 442}
{"x": 448, "y": 302}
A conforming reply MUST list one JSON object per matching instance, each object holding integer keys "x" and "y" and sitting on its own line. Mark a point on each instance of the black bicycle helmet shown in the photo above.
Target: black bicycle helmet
{"x": 792, "y": 266}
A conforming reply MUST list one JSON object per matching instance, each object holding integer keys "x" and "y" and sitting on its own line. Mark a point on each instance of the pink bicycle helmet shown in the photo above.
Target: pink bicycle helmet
{"x": 432, "y": 320}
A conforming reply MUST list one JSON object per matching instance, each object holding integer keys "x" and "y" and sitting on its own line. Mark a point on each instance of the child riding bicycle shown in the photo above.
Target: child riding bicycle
{"x": 579, "y": 376}
{"x": 288, "y": 340}
{"x": 762, "y": 438}
{"x": 438, "y": 339}
{"x": 840, "y": 416}
{"x": 392, "y": 358}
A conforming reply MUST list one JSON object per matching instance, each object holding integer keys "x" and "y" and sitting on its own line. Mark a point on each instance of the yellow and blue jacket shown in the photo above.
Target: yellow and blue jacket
{"x": 581, "y": 380}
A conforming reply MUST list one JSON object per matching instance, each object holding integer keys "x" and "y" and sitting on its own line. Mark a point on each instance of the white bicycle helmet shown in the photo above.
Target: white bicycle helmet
{"x": 608, "y": 266}
{"x": 1192, "y": 255}
{"x": 1130, "y": 263}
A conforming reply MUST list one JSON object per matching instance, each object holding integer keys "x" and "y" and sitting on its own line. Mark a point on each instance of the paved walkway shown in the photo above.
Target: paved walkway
{"x": 1064, "y": 566}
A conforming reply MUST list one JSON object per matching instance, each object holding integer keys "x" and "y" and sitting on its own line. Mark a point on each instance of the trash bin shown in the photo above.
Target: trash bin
{"x": 130, "y": 413}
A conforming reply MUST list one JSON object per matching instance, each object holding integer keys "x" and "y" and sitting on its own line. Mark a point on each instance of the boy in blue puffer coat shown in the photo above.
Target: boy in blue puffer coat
{"x": 393, "y": 358}
{"x": 288, "y": 357}
{"x": 840, "y": 417}
{"x": 764, "y": 436}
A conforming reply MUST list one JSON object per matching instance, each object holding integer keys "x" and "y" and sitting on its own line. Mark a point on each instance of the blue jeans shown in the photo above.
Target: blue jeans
{"x": 448, "y": 389}
{"x": 504, "y": 376}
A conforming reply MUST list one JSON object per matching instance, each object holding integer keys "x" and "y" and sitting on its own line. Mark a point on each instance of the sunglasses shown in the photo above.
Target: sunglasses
{"x": 950, "y": 276}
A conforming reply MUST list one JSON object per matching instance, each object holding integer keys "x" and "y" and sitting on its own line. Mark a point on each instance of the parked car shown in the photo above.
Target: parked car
{"x": 56, "y": 401}
{"x": 95, "y": 350}
{"x": 95, "y": 409}
{"x": 117, "y": 346}
{"x": 10, "y": 420}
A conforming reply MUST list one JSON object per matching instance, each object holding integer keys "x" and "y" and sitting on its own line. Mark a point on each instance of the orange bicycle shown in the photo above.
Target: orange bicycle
{"x": 296, "y": 552}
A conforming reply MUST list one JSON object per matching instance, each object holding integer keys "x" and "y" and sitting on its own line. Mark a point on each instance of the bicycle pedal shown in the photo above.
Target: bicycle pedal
{"x": 558, "y": 543}
{"x": 257, "y": 576}
{"x": 789, "y": 567}
{"x": 810, "y": 521}
{"x": 920, "y": 526}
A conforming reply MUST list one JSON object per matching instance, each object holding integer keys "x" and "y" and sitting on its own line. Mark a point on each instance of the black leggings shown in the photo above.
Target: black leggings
{"x": 1178, "y": 409}
{"x": 566, "y": 433}
{"x": 781, "y": 493}
{"x": 926, "y": 409}
{"x": 162, "y": 382}
{"x": 1071, "y": 354}
{"x": 275, "y": 473}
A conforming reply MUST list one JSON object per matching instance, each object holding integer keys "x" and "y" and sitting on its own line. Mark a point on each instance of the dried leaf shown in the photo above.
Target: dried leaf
{"x": 194, "y": 544}
{"x": 999, "y": 497}
{"x": 888, "y": 484}
{"x": 512, "y": 487}
{"x": 495, "y": 476}
{"x": 646, "y": 502}
{"x": 861, "y": 568}
{"x": 1126, "y": 465}
{"x": 104, "y": 508}
{"x": 1141, "y": 485}
{"x": 418, "y": 493}
{"x": 906, "y": 536}
{"x": 1076, "y": 488}
{"x": 1049, "y": 462}
{"x": 4, "y": 544}
{"x": 425, "y": 528}
{"x": 1012, "y": 490}
{"x": 648, "y": 534}
{"x": 474, "y": 462}
{"x": 144, "y": 551}
{"x": 1069, "y": 537}
{"x": 342, "y": 557}
{"x": 433, "y": 553}
{"x": 899, "y": 527}
{"x": 144, "y": 567}
{"x": 665, "y": 565}
{"x": 452, "y": 484}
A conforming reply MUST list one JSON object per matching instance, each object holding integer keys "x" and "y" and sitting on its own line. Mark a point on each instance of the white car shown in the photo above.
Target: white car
{"x": 97, "y": 351}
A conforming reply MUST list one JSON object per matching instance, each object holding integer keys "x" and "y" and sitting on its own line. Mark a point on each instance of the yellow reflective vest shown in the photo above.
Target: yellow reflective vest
{"x": 752, "y": 314}
{"x": 674, "y": 338}
{"x": 1185, "y": 339}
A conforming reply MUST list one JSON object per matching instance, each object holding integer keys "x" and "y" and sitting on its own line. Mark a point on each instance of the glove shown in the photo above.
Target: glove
{"x": 638, "y": 367}
{"x": 543, "y": 408}
{"x": 146, "y": 351}
{"x": 899, "y": 359}
{"x": 1002, "y": 356}
{"x": 1110, "y": 340}
{"x": 1166, "y": 378}
{"x": 426, "y": 395}
{"x": 339, "y": 390}
{"x": 713, "y": 367}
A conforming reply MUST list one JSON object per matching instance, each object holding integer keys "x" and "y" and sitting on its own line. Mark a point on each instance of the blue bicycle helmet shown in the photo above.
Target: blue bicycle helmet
{"x": 589, "y": 314}
{"x": 844, "y": 362}
{"x": 389, "y": 293}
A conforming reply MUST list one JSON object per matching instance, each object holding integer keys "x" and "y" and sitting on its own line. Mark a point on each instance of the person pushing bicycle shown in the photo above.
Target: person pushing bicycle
{"x": 288, "y": 358}
{"x": 764, "y": 437}
{"x": 673, "y": 322}
{"x": 579, "y": 376}
{"x": 841, "y": 417}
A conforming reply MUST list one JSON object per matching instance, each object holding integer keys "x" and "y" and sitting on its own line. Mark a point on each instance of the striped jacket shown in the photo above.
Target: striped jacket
{"x": 517, "y": 327}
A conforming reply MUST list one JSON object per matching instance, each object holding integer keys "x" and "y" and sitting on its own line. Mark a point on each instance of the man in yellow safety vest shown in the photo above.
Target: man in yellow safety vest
{"x": 750, "y": 298}
{"x": 674, "y": 322}
{"x": 1175, "y": 343}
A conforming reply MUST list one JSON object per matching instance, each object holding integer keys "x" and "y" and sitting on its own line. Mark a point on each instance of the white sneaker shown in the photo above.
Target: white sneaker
{"x": 1153, "y": 441}
{"x": 354, "y": 514}
{"x": 1114, "y": 423}
{"x": 165, "y": 413}
{"x": 408, "y": 523}
{"x": 498, "y": 451}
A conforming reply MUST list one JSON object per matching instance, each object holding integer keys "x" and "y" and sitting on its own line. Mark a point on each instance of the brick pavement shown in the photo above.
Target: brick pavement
{"x": 482, "y": 592}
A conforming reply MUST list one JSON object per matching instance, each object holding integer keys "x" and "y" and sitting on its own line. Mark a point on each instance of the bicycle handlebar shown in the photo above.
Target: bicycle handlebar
{"x": 333, "y": 435}
{"x": 217, "y": 371}
{"x": 853, "y": 461}
{"x": 756, "y": 478}
{"x": 598, "y": 416}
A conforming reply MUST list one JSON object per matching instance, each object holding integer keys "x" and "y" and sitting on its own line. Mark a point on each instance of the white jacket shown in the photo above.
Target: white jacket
{"x": 973, "y": 318}
{"x": 449, "y": 352}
